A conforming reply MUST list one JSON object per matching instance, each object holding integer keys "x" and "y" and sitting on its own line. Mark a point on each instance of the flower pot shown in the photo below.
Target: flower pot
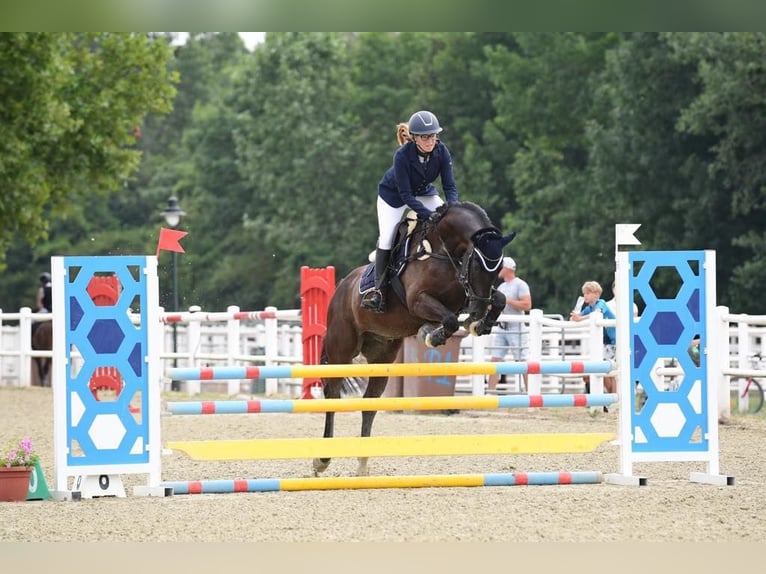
{"x": 14, "y": 483}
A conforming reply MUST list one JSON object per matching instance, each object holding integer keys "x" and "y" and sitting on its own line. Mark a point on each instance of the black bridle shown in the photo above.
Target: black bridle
{"x": 462, "y": 265}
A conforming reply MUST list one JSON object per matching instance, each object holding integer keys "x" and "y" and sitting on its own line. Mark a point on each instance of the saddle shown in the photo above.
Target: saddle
{"x": 403, "y": 238}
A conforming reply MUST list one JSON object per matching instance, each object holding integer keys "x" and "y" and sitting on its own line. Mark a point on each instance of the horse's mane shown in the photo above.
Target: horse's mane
{"x": 473, "y": 207}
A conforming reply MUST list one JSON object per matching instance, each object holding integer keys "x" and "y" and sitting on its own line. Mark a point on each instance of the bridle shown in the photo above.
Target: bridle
{"x": 462, "y": 265}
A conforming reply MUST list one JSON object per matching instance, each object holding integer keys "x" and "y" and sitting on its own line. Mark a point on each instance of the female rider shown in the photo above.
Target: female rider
{"x": 408, "y": 183}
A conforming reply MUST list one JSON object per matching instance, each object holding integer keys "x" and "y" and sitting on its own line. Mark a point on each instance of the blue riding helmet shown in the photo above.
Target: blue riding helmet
{"x": 424, "y": 122}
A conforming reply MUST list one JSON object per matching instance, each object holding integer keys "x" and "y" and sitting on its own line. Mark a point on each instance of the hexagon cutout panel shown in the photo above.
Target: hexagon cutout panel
{"x": 106, "y": 336}
{"x": 666, "y": 382}
{"x": 107, "y": 431}
{"x": 666, "y": 328}
{"x": 665, "y": 282}
{"x": 668, "y": 420}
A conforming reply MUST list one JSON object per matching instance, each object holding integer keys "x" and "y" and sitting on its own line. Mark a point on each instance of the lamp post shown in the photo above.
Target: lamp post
{"x": 173, "y": 214}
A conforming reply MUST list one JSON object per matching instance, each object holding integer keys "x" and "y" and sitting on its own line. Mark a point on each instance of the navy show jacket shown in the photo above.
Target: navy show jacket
{"x": 408, "y": 177}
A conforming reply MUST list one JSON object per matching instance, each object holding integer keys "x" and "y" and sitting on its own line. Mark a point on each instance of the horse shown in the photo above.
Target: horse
{"x": 450, "y": 266}
{"x": 42, "y": 340}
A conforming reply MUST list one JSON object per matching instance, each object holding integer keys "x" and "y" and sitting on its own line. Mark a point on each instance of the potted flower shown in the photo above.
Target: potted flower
{"x": 17, "y": 460}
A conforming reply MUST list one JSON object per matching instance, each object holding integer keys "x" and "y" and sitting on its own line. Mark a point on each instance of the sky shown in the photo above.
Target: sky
{"x": 250, "y": 38}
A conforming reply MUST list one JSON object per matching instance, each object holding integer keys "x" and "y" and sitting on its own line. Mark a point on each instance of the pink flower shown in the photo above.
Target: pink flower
{"x": 19, "y": 453}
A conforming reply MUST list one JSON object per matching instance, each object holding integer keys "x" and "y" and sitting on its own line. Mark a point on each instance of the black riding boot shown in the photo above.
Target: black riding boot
{"x": 373, "y": 300}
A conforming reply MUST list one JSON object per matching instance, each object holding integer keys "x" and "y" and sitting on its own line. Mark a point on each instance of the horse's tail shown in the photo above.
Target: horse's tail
{"x": 323, "y": 360}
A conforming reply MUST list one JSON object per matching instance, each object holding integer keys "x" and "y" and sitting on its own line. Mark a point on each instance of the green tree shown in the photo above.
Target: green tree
{"x": 542, "y": 95}
{"x": 647, "y": 168}
{"x": 730, "y": 114}
{"x": 70, "y": 105}
{"x": 297, "y": 145}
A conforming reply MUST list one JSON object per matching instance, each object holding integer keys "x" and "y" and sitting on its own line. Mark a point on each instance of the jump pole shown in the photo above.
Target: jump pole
{"x": 389, "y": 369}
{"x": 391, "y": 446}
{"x": 377, "y": 482}
{"x": 486, "y": 402}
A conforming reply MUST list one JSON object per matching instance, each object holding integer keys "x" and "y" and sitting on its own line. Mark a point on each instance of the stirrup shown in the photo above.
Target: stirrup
{"x": 373, "y": 301}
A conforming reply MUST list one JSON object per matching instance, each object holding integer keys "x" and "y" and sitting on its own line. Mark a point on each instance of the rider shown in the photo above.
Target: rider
{"x": 43, "y": 300}
{"x": 408, "y": 183}
{"x": 44, "y": 294}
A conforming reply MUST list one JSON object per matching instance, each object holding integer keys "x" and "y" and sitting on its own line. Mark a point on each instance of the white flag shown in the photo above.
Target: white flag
{"x": 624, "y": 234}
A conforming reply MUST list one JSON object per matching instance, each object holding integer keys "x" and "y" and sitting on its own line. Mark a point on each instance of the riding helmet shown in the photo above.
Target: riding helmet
{"x": 45, "y": 277}
{"x": 424, "y": 122}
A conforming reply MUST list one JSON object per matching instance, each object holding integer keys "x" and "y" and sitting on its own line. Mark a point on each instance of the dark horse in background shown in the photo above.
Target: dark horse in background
{"x": 42, "y": 340}
{"x": 451, "y": 267}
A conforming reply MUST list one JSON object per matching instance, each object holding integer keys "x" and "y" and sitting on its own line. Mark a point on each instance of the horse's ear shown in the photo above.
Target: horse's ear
{"x": 508, "y": 238}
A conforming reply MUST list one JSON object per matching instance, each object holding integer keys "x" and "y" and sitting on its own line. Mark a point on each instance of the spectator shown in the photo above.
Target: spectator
{"x": 511, "y": 336}
{"x": 694, "y": 350}
{"x": 612, "y": 304}
{"x": 591, "y": 291}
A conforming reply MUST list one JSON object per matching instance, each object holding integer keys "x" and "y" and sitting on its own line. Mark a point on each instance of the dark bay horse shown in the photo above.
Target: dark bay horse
{"x": 451, "y": 268}
{"x": 42, "y": 340}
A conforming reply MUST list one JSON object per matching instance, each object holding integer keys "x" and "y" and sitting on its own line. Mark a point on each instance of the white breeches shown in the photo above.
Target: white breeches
{"x": 389, "y": 217}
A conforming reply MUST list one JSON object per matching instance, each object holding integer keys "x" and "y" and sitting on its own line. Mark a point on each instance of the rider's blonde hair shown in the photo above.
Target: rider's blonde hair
{"x": 403, "y": 133}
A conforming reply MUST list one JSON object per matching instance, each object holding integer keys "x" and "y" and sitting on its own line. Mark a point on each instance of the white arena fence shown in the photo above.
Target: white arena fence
{"x": 235, "y": 337}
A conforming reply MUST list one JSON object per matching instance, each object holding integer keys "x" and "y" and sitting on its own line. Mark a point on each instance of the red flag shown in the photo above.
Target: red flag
{"x": 170, "y": 240}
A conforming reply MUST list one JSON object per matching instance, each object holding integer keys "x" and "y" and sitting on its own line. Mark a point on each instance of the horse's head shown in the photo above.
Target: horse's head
{"x": 475, "y": 246}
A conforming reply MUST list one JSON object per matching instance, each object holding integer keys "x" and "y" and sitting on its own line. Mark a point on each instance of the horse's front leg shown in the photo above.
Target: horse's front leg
{"x": 331, "y": 389}
{"x": 431, "y": 310}
{"x": 478, "y": 325}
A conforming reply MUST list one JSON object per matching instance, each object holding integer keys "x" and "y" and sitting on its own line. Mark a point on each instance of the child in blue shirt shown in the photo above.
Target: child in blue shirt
{"x": 591, "y": 292}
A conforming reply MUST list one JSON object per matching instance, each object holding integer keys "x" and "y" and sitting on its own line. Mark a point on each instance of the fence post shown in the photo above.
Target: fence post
{"x": 596, "y": 350}
{"x": 718, "y": 342}
{"x": 535, "y": 382}
{"x": 478, "y": 352}
{"x": 193, "y": 340}
{"x": 271, "y": 349}
{"x": 232, "y": 346}
{"x": 743, "y": 361}
{"x": 1, "y": 347}
{"x": 25, "y": 346}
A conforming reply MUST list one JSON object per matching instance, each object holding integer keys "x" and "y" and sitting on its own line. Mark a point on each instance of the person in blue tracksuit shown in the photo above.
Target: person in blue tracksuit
{"x": 408, "y": 183}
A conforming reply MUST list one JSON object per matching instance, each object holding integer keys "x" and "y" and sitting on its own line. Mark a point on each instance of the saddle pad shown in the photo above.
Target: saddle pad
{"x": 367, "y": 281}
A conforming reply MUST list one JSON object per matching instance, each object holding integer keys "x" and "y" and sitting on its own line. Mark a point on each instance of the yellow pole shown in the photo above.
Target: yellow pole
{"x": 429, "y": 445}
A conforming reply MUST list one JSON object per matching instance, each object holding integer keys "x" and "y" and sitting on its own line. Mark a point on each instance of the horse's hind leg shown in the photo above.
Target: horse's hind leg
{"x": 42, "y": 371}
{"x": 375, "y": 350}
{"x": 331, "y": 391}
{"x": 375, "y": 388}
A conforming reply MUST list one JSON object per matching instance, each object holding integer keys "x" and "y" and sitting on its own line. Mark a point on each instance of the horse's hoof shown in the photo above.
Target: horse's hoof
{"x": 320, "y": 465}
{"x": 427, "y": 341}
{"x": 473, "y": 328}
{"x": 437, "y": 338}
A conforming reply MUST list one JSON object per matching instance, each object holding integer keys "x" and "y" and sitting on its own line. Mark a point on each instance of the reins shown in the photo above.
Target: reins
{"x": 462, "y": 265}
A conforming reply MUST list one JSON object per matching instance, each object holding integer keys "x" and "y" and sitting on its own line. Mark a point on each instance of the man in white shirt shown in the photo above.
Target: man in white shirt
{"x": 511, "y": 337}
{"x": 612, "y": 304}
